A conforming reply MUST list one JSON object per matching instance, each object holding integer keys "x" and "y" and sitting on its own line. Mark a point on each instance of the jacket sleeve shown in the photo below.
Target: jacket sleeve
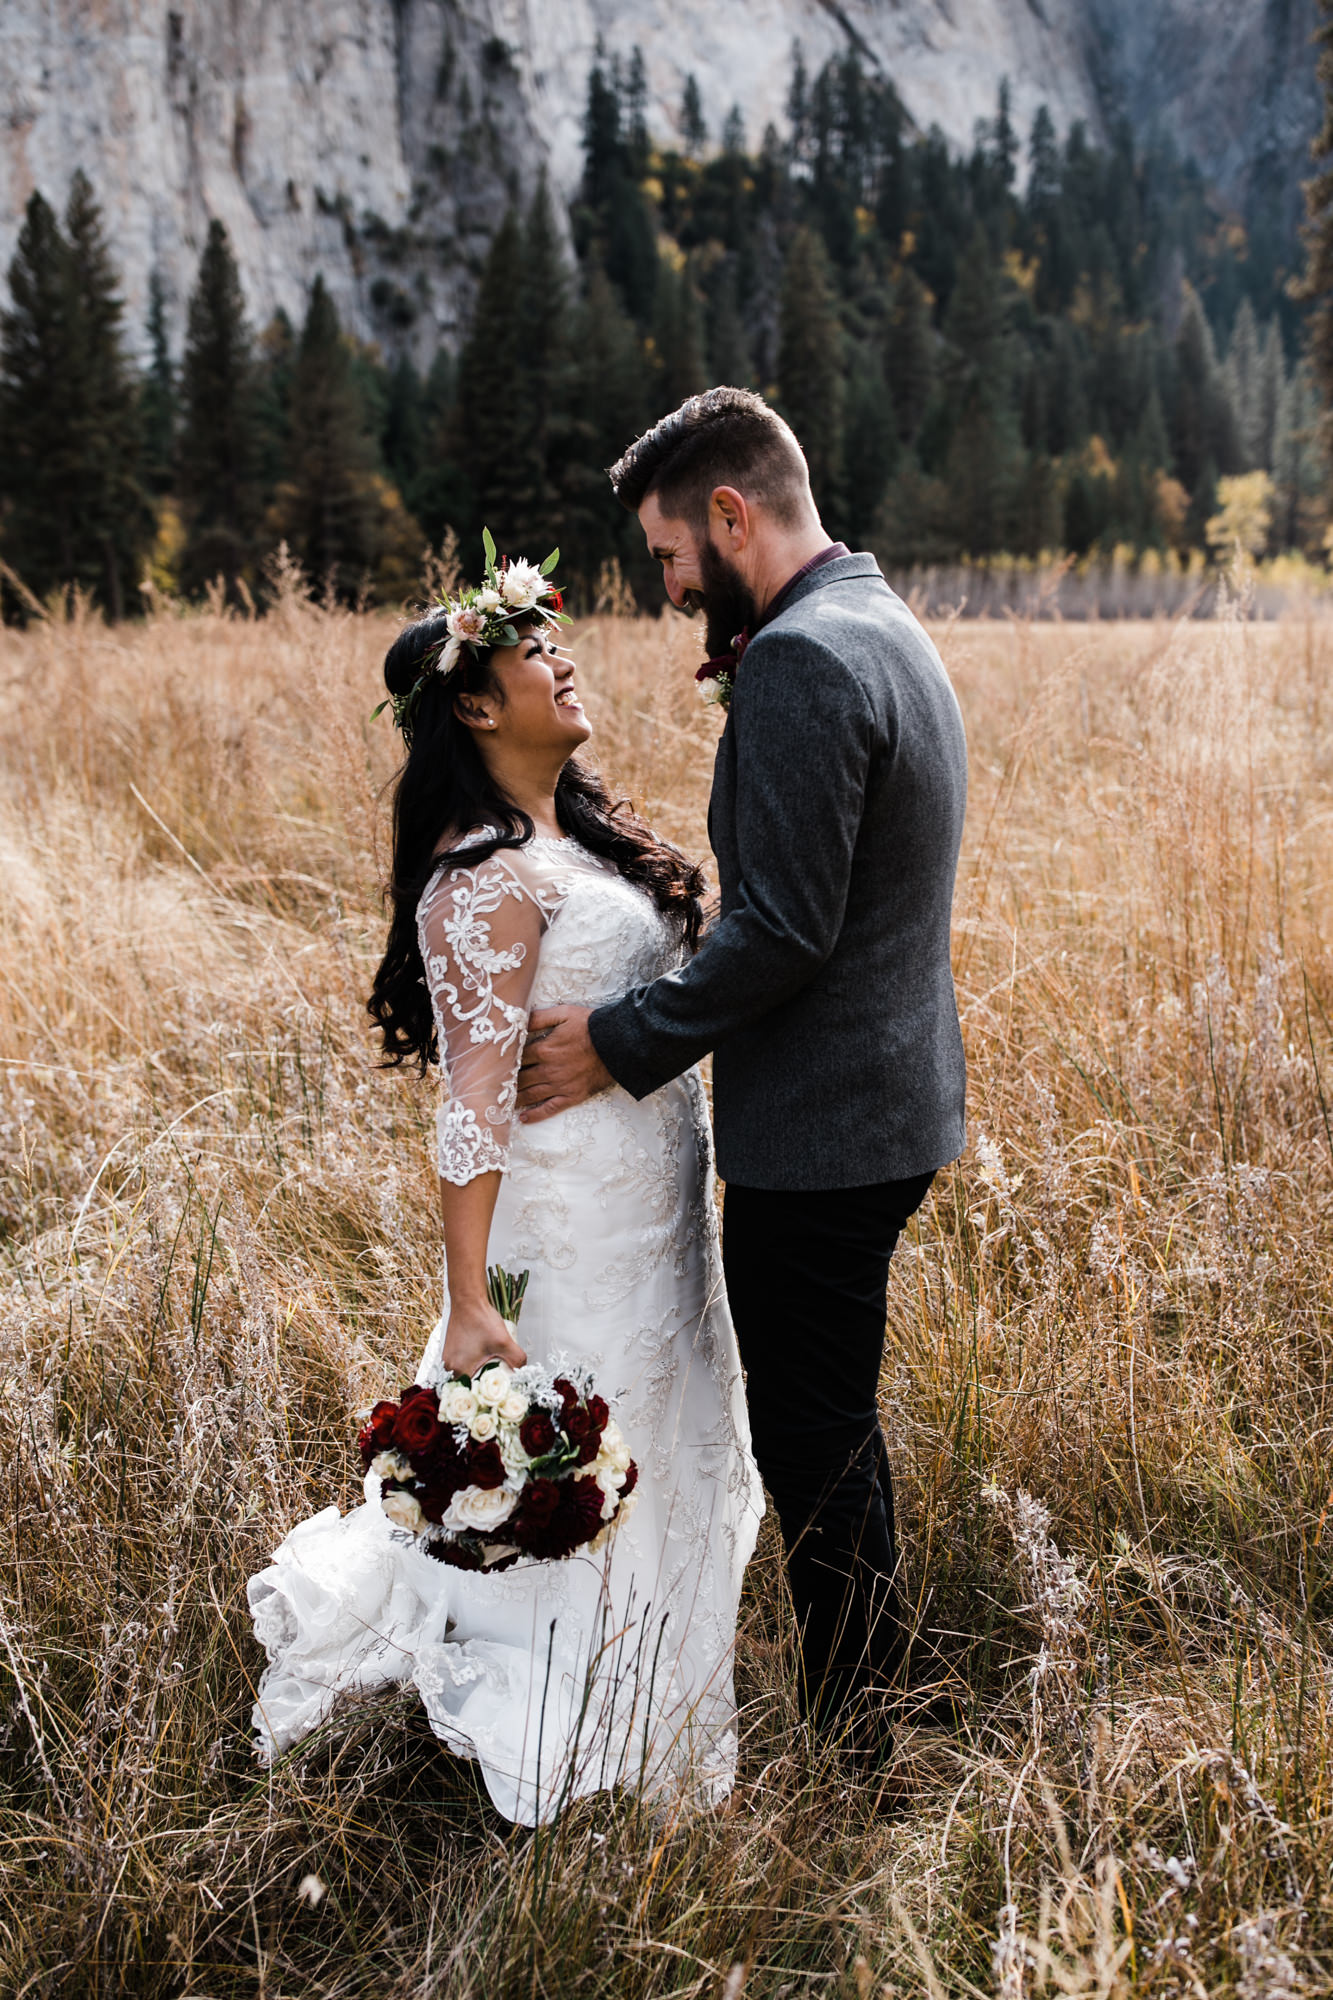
{"x": 804, "y": 738}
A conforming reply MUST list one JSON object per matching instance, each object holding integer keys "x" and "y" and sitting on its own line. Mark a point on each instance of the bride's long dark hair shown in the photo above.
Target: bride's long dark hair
{"x": 444, "y": 787}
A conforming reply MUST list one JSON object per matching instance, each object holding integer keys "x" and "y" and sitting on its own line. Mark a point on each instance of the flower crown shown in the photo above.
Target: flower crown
{"x": 482, "y": 616}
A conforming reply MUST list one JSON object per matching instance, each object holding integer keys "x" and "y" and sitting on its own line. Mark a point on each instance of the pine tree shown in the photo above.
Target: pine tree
{"x": 39, "y": 467}
{"x": 810, "y": 369}
{"x": 637, "y": 147}
{"x": 275, "y": 365}
{"x": 220, "y": 445}
{"x": 327, "y": 503}
{"x": 678, "y": 335}
{"x": 983, "y": 452}
{"x": 909, "y": 353}
{"x": 113, "y": 514}
{"x": 1242, "y": 380}
{"x": 69, "y": 413}
{"x": 870, "y": 445}
{"x": 729, "y": 358}
{"x": 402, "y": 441}
{"x": 693, "y": 130}
{"x": 157, "y": 395}
{"x": 1272, "y": 382}
{"x": 493, "y": 443}
{"x": 1204, "y": 439}
{"x": 1316, "y": 282}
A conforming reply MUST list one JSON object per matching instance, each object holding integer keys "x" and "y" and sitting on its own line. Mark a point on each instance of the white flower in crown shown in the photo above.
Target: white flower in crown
{"x": 480, "y": 1507}
{"x": 465, "y": 621}
{"x": 522, "y": 584}
{"x": 448, "y": 658}
{"x": 488, "y": 600}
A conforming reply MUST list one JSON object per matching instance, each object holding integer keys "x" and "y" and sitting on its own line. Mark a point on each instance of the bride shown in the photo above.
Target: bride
{"x": 516, "y": 884}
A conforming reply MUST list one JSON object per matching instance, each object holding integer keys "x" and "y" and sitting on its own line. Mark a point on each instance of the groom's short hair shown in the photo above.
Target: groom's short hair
{"x": 725, "y": 437}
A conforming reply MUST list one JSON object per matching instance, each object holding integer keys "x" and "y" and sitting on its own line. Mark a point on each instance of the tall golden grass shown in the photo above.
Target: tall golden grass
{"x": 1109, "y": 1385}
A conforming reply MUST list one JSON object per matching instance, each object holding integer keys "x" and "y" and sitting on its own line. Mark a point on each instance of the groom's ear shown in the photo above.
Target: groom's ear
{"x": 729, "y": 510}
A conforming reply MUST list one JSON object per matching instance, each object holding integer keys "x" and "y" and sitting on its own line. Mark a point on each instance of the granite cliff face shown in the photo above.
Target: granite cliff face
{"x": 378, "y": 140}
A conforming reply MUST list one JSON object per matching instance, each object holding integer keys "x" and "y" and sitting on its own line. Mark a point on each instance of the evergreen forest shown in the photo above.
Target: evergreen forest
{"x": 1038, "y": 346}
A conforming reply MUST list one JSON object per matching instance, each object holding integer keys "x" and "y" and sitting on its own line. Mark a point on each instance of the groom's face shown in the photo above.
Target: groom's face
{"x": 698, "y": 576}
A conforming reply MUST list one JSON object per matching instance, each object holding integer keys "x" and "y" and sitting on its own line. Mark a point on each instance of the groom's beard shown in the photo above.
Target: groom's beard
{"x": 726, "y": 599}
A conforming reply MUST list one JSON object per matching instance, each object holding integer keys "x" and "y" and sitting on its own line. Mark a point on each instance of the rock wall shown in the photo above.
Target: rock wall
{"x": 378, "y": 140}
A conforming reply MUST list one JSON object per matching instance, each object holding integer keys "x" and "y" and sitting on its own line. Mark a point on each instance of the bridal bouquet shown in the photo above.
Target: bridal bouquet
{"x": 505, "y": 1463}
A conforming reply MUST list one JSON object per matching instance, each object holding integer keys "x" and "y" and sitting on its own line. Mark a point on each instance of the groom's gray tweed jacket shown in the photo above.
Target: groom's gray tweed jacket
{"x": 825, "y": 986}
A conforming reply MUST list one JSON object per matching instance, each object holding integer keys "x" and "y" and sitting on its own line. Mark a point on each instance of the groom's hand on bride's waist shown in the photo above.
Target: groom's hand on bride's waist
{"x": 560, "y": 1065}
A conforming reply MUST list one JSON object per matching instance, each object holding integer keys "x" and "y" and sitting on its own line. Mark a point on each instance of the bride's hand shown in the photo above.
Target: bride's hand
{"x": 475, "y": 1334}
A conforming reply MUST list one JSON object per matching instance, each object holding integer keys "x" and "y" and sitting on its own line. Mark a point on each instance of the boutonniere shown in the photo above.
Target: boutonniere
{"x": 717, "y": 677}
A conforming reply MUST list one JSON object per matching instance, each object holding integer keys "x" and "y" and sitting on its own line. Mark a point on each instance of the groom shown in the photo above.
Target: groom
{"x": 824, "y": 988}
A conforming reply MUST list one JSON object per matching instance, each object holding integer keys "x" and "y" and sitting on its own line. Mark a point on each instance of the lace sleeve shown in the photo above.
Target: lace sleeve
{"x": 480, "y": 931}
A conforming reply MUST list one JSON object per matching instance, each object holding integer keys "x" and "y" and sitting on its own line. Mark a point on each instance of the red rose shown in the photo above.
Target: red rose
{"x": 556, "y": 598}
{"x": 631, "y": 1480}
{"x": 377, "y": 1435}
{"x": 536, "y": 1433}
{"x": 417, "y": 1424}
{"x": 485, "y": 1467}
{"x": 599, "y": 1411}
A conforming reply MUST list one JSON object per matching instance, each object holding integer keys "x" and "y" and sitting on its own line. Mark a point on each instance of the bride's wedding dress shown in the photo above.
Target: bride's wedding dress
{"x": 560, "y": 1678}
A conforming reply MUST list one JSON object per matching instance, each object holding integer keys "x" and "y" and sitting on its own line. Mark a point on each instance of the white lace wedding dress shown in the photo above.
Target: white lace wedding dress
{"x": 560, "y": 1678}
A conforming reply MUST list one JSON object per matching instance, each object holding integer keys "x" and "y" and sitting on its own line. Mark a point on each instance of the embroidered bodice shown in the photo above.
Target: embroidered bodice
{"x": 533, "y": 926}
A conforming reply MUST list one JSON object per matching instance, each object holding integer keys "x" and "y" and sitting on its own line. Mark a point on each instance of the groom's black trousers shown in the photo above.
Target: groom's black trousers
{"x": 806, "y": 1275}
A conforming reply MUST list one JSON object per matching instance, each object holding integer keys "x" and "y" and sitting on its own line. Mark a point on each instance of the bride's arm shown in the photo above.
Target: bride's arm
{"x": 475, "y": 1331}
{"x": 480, "y": 933}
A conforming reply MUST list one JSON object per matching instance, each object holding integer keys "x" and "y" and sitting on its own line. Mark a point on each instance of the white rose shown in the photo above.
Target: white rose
{"x": 488, "y": 599}
{"x": 513, "y": 1457}
{"x": 493, "y": 1384}
{"x": 403, "y": 1510}
{"x": 458, "y": 1405}
{"x": 480, "y": 1507}
{"x": 389, "y": 1465}
{"x": 483, "y": 1425}
{"x": 514, "y": 1407}
{"x": 522, "y": 584}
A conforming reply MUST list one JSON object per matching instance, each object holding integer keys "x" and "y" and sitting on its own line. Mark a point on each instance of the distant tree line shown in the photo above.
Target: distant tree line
{"x": 1037, "y": 345}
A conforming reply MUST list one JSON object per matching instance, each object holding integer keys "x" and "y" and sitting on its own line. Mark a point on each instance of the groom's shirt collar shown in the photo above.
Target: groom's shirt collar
{"x": 772, "y": 608}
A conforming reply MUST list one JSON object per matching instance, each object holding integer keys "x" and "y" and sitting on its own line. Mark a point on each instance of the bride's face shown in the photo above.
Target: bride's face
{"x": 539, "y": 713}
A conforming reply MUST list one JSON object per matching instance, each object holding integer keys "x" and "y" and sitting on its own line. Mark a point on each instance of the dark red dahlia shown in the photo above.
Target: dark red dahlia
{"x": 580, "y": 1510}
{"x": 540, "y": 1499}
{"x": 583, "y": 1432}
{"x": 568, "y": 1394}
{"x": 536, "y": 1433}
{"x": 485, "y": 1467}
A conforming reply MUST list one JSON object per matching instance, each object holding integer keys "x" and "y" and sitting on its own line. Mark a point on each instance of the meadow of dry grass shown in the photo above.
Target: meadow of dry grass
{"x": 1109, "y": 1384}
